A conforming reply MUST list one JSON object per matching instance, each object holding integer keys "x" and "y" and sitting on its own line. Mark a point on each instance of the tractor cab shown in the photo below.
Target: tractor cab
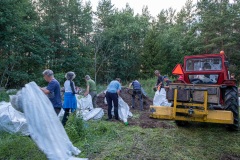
{"x": 206, "y": 69}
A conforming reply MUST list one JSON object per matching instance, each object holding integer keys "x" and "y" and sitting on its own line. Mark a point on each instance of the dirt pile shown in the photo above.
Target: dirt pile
{"x": 143, "y": 120}
{"x": 229, "y": 157}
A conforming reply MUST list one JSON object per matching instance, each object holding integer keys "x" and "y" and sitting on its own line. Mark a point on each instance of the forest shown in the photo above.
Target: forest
{"x": 68, "y": 35}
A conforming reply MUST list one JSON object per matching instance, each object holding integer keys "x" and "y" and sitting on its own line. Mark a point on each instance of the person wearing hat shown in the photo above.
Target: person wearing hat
{"x": 159, "y": 83}
{"x": 136, "y": 91}
{"x": 91, "y": 89}
{"x": 52, "y": 90}
{"x": 70, "y": 101}
{"x": 167, "y": 81}
{"x": 113, "y": 91}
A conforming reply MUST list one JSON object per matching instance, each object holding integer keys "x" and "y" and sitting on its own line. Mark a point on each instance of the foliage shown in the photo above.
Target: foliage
{"x": 75, "y": 128}
{"x": 68, "y": 36}
{"x": 4, "y": 96}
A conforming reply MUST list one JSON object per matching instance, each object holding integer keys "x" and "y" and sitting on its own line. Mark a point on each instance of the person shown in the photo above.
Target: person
{"x": 136, "y": 91}
{"x": 232, "y": 76}
{"x": 70, "y": 101}
{"x": 167, "y": 81}
{"x": 52, "y": 90}
{"x": 159, "y": 83}
{"x": 91, "y": 89}
{"x": 113, "y": 91}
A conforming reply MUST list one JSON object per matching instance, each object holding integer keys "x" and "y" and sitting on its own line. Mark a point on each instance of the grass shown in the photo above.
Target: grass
{"x": 102, "y": 140}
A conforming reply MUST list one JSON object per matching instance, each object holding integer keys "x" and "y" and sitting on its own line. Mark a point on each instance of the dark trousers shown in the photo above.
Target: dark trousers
{"x": 57, "y": 110}
{"x": 65, "y": 116}
{"x": 112, "y": 98}
{"x": 137, "y": 92}
{"x": 94, "y": 98}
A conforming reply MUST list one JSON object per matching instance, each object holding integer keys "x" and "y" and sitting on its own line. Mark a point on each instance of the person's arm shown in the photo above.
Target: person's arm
{"x": 130, "y": 85}
{"x": 46, "y": 91}
{"x": 87, "y": 90}
{"x": 119, "y": 89}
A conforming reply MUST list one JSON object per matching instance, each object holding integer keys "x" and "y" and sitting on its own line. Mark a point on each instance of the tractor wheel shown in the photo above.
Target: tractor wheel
{"x": 231, "y": 104}
{"x": 181, "y": 123}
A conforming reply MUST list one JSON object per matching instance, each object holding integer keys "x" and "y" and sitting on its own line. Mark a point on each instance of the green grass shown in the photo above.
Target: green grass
{"x": 102, "y": 140}
{"x": 14, "y": 147}
{"x": 4, "y": 96}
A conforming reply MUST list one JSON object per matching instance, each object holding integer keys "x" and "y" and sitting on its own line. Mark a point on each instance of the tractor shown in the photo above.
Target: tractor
{"x": 203, "y": 93}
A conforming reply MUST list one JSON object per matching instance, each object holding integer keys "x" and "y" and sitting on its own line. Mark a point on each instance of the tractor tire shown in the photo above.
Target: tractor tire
{"x": 231, "y": 104}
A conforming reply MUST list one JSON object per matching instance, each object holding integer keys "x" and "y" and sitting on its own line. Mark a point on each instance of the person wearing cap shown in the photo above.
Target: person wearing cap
{"x": 52, "y": 90}
{"x": 167, "y": 82}
{"x": 113, "y": 91}
{"x": 91, "y": 89}
{"x": 136, "y": 91}
{"x": 159, "y": 83}
{"x": 70, "y": 101}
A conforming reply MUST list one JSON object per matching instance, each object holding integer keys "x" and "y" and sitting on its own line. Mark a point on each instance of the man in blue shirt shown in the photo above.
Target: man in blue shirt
{"x": 113, "y": 91}
{"x": 136, "y": 91}
{"x": 52, "y": 90}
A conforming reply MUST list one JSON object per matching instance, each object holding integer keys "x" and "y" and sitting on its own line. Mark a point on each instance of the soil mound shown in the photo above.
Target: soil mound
{"x": 143, "y": 120}
{"x": 230, "y": 157}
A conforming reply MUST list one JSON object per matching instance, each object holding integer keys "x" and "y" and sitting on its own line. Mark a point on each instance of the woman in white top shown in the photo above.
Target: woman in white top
{"x": 70, "y": 101}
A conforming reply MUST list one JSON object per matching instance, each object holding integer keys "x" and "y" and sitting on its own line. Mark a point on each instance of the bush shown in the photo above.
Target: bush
{"x": 75, "y": 128}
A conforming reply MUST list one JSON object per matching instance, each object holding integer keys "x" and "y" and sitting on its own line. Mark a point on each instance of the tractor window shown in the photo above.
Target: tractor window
{"x": 204, "y": 64}
{"x": 203, "y": 79}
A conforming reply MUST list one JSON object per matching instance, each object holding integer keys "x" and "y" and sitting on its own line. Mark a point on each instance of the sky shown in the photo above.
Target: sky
{"x": 154, "y": 6}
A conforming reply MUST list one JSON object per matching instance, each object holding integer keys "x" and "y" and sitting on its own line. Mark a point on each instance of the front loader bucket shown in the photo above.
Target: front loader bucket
{"x": 211, "y": 116}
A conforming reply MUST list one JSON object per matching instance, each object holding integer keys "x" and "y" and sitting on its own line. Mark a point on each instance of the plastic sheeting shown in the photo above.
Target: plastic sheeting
{"x": 85, "y": 108}
{"x": 160, "y": 99}
{"x": 44, "y": 126}
{"x": 11, "y": 120}
{"x": 123, "y": 110}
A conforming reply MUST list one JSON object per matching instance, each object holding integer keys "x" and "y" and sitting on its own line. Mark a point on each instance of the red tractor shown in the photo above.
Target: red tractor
{"x": 203, "y": 93}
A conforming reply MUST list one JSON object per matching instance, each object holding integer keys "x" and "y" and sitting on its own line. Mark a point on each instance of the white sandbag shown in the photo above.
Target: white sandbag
{"x": 160, "y": 99}
{"x": 123, "y": 110}
{"x": 84, "y": 103}
{"x": 96, "y": 113}
{"x": 11, "y": 120}
{"x": 99, "y": 115}
{"x": 44, "y": 126}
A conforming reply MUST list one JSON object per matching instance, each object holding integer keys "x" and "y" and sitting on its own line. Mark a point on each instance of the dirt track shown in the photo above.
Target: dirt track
{"x": 143, "y": 120}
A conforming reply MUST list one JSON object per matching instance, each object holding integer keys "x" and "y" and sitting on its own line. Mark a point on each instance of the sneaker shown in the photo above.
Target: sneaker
{"x": 126, "y": 123}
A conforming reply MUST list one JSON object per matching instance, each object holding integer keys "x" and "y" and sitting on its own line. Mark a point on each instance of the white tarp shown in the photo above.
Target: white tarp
{"x": 44, "y": 126}
{"x": 160, "y": 98}
{"x": 11, "y": 120}
{"x": 123, "y": 110}
{"x": 85, "y": 108}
